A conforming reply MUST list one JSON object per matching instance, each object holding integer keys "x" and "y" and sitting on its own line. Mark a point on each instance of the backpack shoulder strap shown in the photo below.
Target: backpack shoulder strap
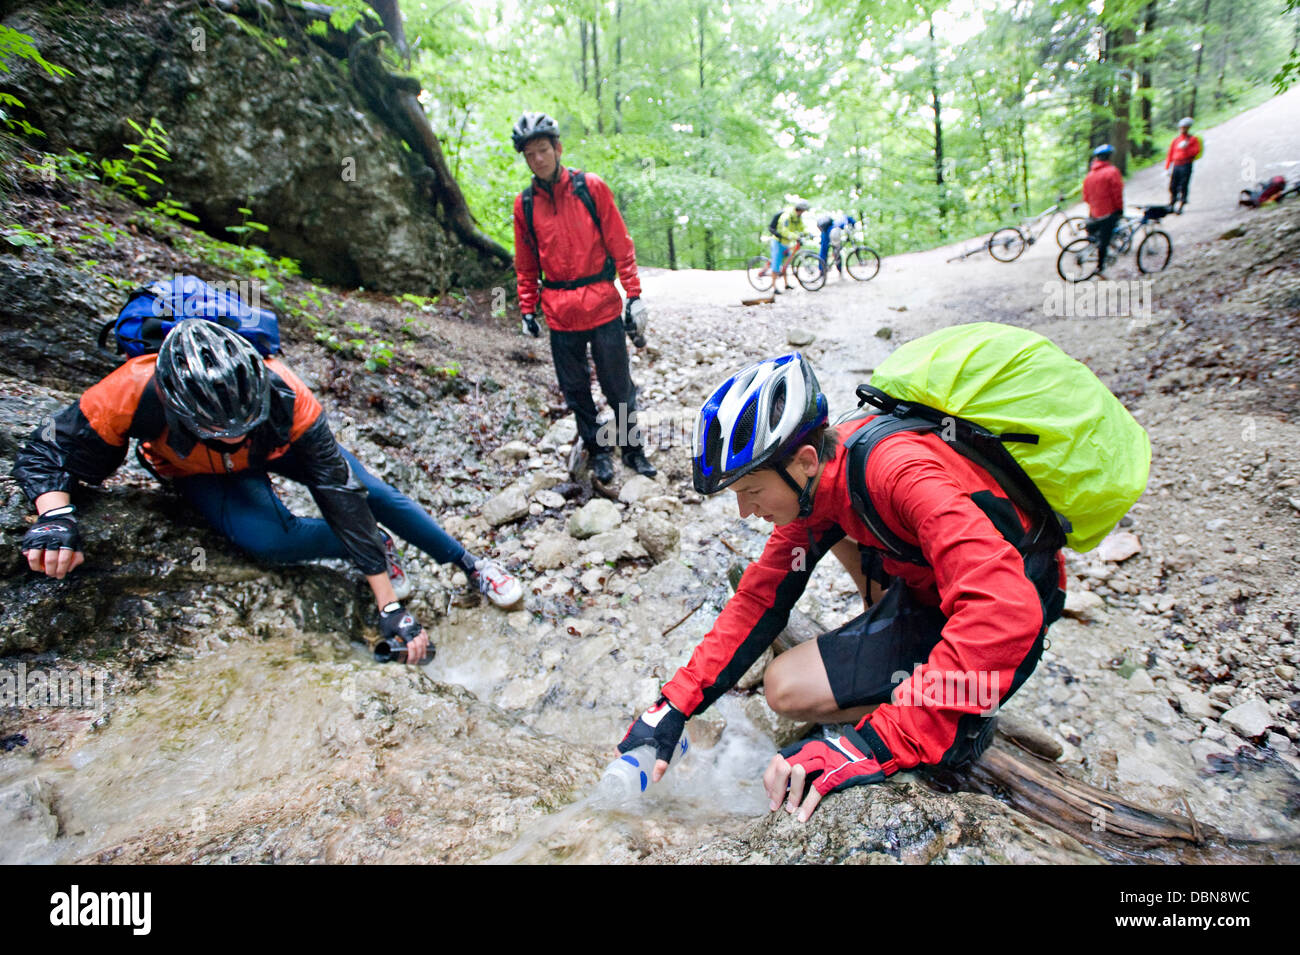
{"x": 858, "y": 448}
{"x": 526, "y": 199}
{"x": 584, "y": 194}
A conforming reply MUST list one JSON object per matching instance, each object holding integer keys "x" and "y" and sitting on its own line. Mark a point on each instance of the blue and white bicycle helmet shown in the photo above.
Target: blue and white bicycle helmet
{"x": 756, "y": 419}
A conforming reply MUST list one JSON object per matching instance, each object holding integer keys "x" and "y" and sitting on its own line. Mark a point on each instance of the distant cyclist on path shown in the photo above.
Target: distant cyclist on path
{"x": 1183, "y": 151}
{"x": 1103, "y": 190}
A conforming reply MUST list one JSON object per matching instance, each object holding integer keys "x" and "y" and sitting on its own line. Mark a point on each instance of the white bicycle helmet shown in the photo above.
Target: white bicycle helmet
{"x": 755, "y": 420}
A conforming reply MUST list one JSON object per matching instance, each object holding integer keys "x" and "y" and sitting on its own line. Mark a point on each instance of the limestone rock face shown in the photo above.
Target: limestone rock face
{"x": 287, "y": 135}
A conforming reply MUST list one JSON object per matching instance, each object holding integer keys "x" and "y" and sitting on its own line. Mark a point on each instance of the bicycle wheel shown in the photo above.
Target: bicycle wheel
{"x": 863, "y": 263}
{"x": 808, "y": 271}
{"x": 1074, "y": 227}
{"x": 1154, "y": 252}
{"x": 1007, "y": 244}
{"x": 759, "y": 272}
{"x": 1077, "y": 261}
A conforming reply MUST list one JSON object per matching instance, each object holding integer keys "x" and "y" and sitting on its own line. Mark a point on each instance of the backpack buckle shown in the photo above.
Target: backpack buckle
{"x": 869, "y": 395}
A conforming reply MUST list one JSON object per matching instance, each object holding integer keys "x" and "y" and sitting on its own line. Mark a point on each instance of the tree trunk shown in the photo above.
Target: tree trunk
{"x": 709, "y": 258}
{"x": 1099, "y": 130}
{"x": 582, "y": 36}
{"x": 672, "y": 249}
{"x": 940, "y": 187}
{"x": 1144, "y": 142}
{"x": 396, "y": 99}
{"x": 597, "y": 82}
{"x": 1200, "y": 53}
{"x": 618, "y": 67}
{"x": 1123, "y": 97}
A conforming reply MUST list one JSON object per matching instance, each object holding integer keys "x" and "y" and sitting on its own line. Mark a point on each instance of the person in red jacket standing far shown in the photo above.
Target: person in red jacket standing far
{"x": 1103, "y": 190}
{"x": 571, "y": 241}
{"x": 1183, "y": 151}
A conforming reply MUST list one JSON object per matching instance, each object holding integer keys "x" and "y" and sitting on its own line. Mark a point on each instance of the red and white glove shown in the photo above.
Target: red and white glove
{"x": 836, "y": 758}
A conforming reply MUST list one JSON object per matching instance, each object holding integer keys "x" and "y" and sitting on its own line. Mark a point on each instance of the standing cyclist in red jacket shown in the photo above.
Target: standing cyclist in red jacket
{"x": 570, "y": 239}
{"x": 1183, "y": 151}
{"x": 1103, "y": 190}
{"x": 915, "y": 679}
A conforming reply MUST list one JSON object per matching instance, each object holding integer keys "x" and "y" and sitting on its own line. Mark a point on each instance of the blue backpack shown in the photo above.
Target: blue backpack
{"x": 153, "y": 311}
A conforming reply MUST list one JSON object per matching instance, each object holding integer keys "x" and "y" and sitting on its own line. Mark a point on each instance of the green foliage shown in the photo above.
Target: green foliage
{"x": 19, "y": 237}
{"x": 246, "y": 226}
{"x": 711, "y": 116}
{"x": 125, "y": 176}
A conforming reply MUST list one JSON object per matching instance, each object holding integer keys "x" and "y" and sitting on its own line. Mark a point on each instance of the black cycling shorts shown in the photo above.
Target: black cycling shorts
{"x": 872, "y": 654}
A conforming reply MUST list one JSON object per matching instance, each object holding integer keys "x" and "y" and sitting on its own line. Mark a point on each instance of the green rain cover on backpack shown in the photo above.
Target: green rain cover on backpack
{"x": 1092, "y": 458}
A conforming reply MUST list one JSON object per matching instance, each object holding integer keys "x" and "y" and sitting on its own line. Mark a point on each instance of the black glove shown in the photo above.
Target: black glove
{"x": 634, "y": 321}
{"x": 660, "y": 726}
{"x": 56, "y": 530}
{"x": 397, "y": 628}
{"x": 530, "y": 326}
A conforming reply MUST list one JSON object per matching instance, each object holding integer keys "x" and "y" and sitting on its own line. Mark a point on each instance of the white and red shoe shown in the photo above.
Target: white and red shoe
{"x": 496, "y": 583}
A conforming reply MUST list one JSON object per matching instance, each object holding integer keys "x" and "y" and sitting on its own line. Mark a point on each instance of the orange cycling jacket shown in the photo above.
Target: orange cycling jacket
{"x": 922, "y": 489}
{"x": 570, "y": 247}
{"x": 87, "y": 441}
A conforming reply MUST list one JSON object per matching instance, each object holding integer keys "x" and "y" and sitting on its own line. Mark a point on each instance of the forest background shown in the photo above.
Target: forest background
{"x": 926, "y": 121}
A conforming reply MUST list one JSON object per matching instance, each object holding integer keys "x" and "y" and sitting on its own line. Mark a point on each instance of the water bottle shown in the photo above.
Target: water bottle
{"x": 630, "y": 774}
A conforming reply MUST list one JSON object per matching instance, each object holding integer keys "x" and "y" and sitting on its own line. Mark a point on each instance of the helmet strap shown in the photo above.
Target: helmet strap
{"x": 806, "y": 492}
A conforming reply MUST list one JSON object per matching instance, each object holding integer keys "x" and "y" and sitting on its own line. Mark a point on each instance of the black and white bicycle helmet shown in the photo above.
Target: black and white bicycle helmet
{"x": 532, "y": 125}
{"x": 213, "y": 380}
{"x": 756, "y": 419}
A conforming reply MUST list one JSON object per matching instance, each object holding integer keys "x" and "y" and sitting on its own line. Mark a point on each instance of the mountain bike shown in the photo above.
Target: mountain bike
{"x": 805, "y": 263}
{"x": 1078, "y": 260}
{"x": 860, "y": 261}
{"x": 1009, "y": 243}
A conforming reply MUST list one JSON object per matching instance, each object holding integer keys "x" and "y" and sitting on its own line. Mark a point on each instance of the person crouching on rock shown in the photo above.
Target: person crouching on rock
{"x": 214, "y": 418}
{"x": 915, "y": 679}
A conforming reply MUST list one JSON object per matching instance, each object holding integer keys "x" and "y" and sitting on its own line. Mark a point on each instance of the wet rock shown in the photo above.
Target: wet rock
{"x": 705, "y": 731}
{"x": 1141, "y": 682}
{"x": 512, "y": 451}
{"x": 595, "y": 517}
{"x": 637, "y": 488}
{"x": 896, "y": 821}
{"x": 753, "y": 677}
{"x": 1035, "y": 740}
{"x": 1250, "y": 719}
{"x": 615, "y": 545}
{"x": 799, "y": 337}
{"x": 593, "y": 581}
{"x": 1196, "y": 705}
{"x": 27, "y": 821}
{"x": 508, "y": 506}
{"x": 562, "y": 433}
{"x": 1084, "y": 605}
{"x": 557, "y": 551}
{"x": 657, "y": 534}
{"x": 549, "y": 499}
{"x": 1119, "y": 546}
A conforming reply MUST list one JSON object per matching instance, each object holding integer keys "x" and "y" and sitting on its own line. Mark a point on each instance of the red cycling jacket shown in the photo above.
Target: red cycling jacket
{"x": 922, "y": 489}
{"x": 1183, "y": 150}
{"x": 569, "y": 247}
{"x": 1103, "y": 189}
